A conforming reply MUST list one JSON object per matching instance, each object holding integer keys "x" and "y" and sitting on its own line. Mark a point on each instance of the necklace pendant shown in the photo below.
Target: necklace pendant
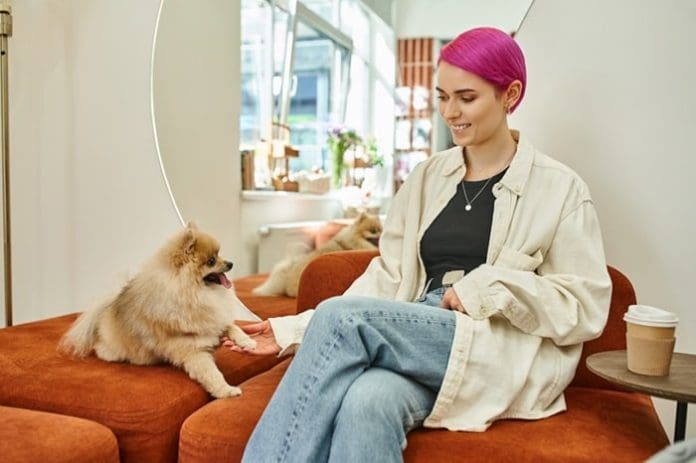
{"x": 467, "y": 207}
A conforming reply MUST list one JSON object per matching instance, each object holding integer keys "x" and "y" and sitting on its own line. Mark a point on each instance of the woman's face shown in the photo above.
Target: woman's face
{"x": 472, "y": 108}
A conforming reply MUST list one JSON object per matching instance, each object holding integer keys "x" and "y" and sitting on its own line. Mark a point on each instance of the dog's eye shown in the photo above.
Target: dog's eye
{"x": 210, "y": 262}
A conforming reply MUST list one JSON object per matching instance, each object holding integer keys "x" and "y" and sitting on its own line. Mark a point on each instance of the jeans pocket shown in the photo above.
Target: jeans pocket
{"x": 434, "y": 297}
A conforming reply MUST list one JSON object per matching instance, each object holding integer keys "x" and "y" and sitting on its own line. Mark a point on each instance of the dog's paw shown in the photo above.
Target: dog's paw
{"x": 245, "y": 343}
{"x": 227, "y": 391}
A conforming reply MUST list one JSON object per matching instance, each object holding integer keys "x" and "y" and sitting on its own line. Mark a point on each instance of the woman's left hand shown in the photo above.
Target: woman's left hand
{"x": 451, "y": 301}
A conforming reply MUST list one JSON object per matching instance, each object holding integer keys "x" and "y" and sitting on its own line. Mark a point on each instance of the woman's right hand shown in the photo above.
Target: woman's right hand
{"x": 262, "y": 333}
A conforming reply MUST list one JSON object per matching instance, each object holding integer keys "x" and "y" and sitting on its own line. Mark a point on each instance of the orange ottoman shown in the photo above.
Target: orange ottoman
{"x": 220, "y": 430}
{"x": 28, "y": 436}
{"x": 144, "y": 406}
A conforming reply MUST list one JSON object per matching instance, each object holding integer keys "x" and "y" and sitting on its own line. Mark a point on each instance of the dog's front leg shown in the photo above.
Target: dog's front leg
{"x": 239, "y": 337}
{"x": 201, "y": 367}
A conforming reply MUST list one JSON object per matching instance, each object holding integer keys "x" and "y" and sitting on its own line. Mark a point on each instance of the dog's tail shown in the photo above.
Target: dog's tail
{"x": 82, "y": 335}
{"x": 275, "y": 283}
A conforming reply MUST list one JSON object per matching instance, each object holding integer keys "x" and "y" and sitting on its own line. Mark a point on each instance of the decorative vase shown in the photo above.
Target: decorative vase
{"x": 337, "y": 167}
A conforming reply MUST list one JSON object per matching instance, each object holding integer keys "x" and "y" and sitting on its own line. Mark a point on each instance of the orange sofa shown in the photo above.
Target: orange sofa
{"x": 60, "y": 409}
{"x": 602, "y": 423}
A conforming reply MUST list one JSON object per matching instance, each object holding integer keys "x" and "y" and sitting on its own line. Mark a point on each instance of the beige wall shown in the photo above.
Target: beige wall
{"x": 445, "y": 19}
{"x": 196, "y": 91}
{"x": 612, "y": 95}
{"x": 88, "y": 198}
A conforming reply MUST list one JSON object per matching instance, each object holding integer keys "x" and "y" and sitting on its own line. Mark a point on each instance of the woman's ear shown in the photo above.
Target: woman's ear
{"x": 512, "y": 94}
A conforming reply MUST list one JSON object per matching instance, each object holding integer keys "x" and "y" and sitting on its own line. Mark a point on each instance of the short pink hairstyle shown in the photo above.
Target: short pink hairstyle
{"x": 490, "y": 54}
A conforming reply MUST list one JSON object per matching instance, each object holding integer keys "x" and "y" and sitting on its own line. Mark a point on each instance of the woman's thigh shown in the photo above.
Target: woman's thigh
{"x": 412, "y": 339}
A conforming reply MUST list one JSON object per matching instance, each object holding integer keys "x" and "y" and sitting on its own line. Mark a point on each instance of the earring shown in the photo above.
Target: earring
{"x": 506, "y": 108}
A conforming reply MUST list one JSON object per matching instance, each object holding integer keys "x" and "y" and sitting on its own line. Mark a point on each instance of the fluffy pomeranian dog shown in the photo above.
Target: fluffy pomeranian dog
{"x": 174, "y": 310}
{"x": 285, "y": 275}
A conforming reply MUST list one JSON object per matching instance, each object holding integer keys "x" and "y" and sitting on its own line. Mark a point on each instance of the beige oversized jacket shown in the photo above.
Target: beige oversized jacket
{"x": 542, "y": 292}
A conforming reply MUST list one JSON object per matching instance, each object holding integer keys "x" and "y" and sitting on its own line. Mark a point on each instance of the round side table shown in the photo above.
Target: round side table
{"x": 679, "y": 385}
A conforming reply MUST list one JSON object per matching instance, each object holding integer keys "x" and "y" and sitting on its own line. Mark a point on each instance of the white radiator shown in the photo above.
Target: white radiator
{"x": 277, "y": 241}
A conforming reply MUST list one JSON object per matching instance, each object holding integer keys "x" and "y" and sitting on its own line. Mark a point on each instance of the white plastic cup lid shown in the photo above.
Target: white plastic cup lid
{"x": 650, "y": 316}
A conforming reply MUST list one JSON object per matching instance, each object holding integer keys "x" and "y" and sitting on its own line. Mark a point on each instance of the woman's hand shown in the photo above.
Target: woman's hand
{"x": 451, "y": 301}
{"x": 262, "y": 333}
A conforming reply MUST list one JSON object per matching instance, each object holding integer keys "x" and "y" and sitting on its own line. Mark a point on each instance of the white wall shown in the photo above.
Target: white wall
{"x": 383, "y": 8}
{"x": 196, "y": 92}
{"x": 612, "y": 95}
{"x": 88, "y": 198}
{"x": 445, "y": 19}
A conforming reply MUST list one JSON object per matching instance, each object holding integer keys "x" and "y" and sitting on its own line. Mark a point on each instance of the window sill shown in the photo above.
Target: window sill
{"x": 267, "y": 195}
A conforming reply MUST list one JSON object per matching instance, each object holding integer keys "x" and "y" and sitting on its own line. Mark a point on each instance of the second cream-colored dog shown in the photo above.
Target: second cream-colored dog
{"x": 285, "y": 276}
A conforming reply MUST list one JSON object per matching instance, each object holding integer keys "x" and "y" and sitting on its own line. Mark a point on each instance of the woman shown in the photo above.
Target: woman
{"x": 500, "y": 234}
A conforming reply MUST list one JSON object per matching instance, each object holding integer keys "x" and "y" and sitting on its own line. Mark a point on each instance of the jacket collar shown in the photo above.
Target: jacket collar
{"x": 517, "y": 174}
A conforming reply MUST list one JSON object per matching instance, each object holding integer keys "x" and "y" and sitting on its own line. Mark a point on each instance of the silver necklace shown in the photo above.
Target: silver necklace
{"x": 466, "y": 198}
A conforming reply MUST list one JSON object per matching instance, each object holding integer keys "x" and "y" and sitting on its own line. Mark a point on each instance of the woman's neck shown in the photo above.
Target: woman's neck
{"x": 487, "y": 159}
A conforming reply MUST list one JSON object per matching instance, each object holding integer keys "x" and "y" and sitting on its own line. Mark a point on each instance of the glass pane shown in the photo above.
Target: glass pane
{"x": 356, "y": 110}
{"x": 356, "y": 23}
{"x": 260, "y": 85}
{"x": 313, "y": 105}
{"x": 280, "y": 28}
{"x": 327, "y": 9}
{"x": 384, "y": 59}
{"x": 253, "y": 65}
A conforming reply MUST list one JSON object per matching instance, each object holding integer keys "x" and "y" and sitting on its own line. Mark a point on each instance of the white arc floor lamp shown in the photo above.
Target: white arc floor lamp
{"x": 5, "y": 33}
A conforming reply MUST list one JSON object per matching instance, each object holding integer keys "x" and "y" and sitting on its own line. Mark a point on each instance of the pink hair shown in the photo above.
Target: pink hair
{"x": 490, "y": 54}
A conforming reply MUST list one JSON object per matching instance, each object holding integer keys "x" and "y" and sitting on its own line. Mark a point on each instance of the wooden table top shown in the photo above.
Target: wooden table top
{"x": 679, "y": 385}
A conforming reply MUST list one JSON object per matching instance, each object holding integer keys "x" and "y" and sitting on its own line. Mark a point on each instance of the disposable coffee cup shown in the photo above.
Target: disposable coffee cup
{"x": 649, "y": 339}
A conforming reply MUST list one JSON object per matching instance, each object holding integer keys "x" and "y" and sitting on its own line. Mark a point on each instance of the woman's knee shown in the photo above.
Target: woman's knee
{"x": 341, "y": 308}
{"x": 369, "y": 402}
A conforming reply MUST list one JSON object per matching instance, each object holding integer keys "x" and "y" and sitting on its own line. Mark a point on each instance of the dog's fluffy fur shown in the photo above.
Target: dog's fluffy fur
{"x": 174, "y": 310}
{"x": 285, "y": 275}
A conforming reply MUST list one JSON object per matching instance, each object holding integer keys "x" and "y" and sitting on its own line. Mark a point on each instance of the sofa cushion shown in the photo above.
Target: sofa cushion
{"x": 263, "y": 306}
{"x": 219, "y": 431}
{"x": 599, "y": 424}
{"x": 144, "y": 406}
{"x": 29, "y": 436}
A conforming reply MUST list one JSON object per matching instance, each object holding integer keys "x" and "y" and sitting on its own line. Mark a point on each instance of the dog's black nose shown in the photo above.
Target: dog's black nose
{"x": 228, "y": 266}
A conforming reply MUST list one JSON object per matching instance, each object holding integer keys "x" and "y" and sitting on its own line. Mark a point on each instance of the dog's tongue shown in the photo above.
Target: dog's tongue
{"x": 224, "y": 281}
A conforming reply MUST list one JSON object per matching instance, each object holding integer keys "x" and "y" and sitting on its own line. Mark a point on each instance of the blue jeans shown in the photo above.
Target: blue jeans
{"x": 368, "y": 371}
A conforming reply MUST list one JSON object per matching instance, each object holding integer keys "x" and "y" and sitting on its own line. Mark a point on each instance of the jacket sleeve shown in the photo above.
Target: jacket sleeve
{"x": 289, "y": 331}
{"x": 564, "y": 296}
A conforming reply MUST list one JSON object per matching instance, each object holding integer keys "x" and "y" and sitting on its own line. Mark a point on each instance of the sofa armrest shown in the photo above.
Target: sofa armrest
{"x": 330, "y": 275}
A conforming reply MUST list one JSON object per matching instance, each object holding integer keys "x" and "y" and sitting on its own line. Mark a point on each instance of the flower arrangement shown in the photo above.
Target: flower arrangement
{"x": 340, "y": 140}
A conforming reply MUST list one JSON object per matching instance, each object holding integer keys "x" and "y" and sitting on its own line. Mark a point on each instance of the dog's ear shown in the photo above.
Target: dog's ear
{"x": 188, "y": 242}
{"x": 183, "y": 247}
{"x": 362, "y": 216}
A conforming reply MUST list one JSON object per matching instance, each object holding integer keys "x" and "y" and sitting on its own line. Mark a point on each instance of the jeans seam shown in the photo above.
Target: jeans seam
{"x": 409, "y": 319}
{"x": 307, "y": 388}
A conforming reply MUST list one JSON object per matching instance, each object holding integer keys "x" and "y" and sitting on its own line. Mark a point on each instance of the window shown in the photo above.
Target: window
{"x": 311, "y": 65}
{"x": 317, "y": 90}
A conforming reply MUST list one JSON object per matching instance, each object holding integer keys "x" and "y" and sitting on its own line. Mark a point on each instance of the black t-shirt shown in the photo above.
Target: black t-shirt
{"x": 458, "y": 239}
